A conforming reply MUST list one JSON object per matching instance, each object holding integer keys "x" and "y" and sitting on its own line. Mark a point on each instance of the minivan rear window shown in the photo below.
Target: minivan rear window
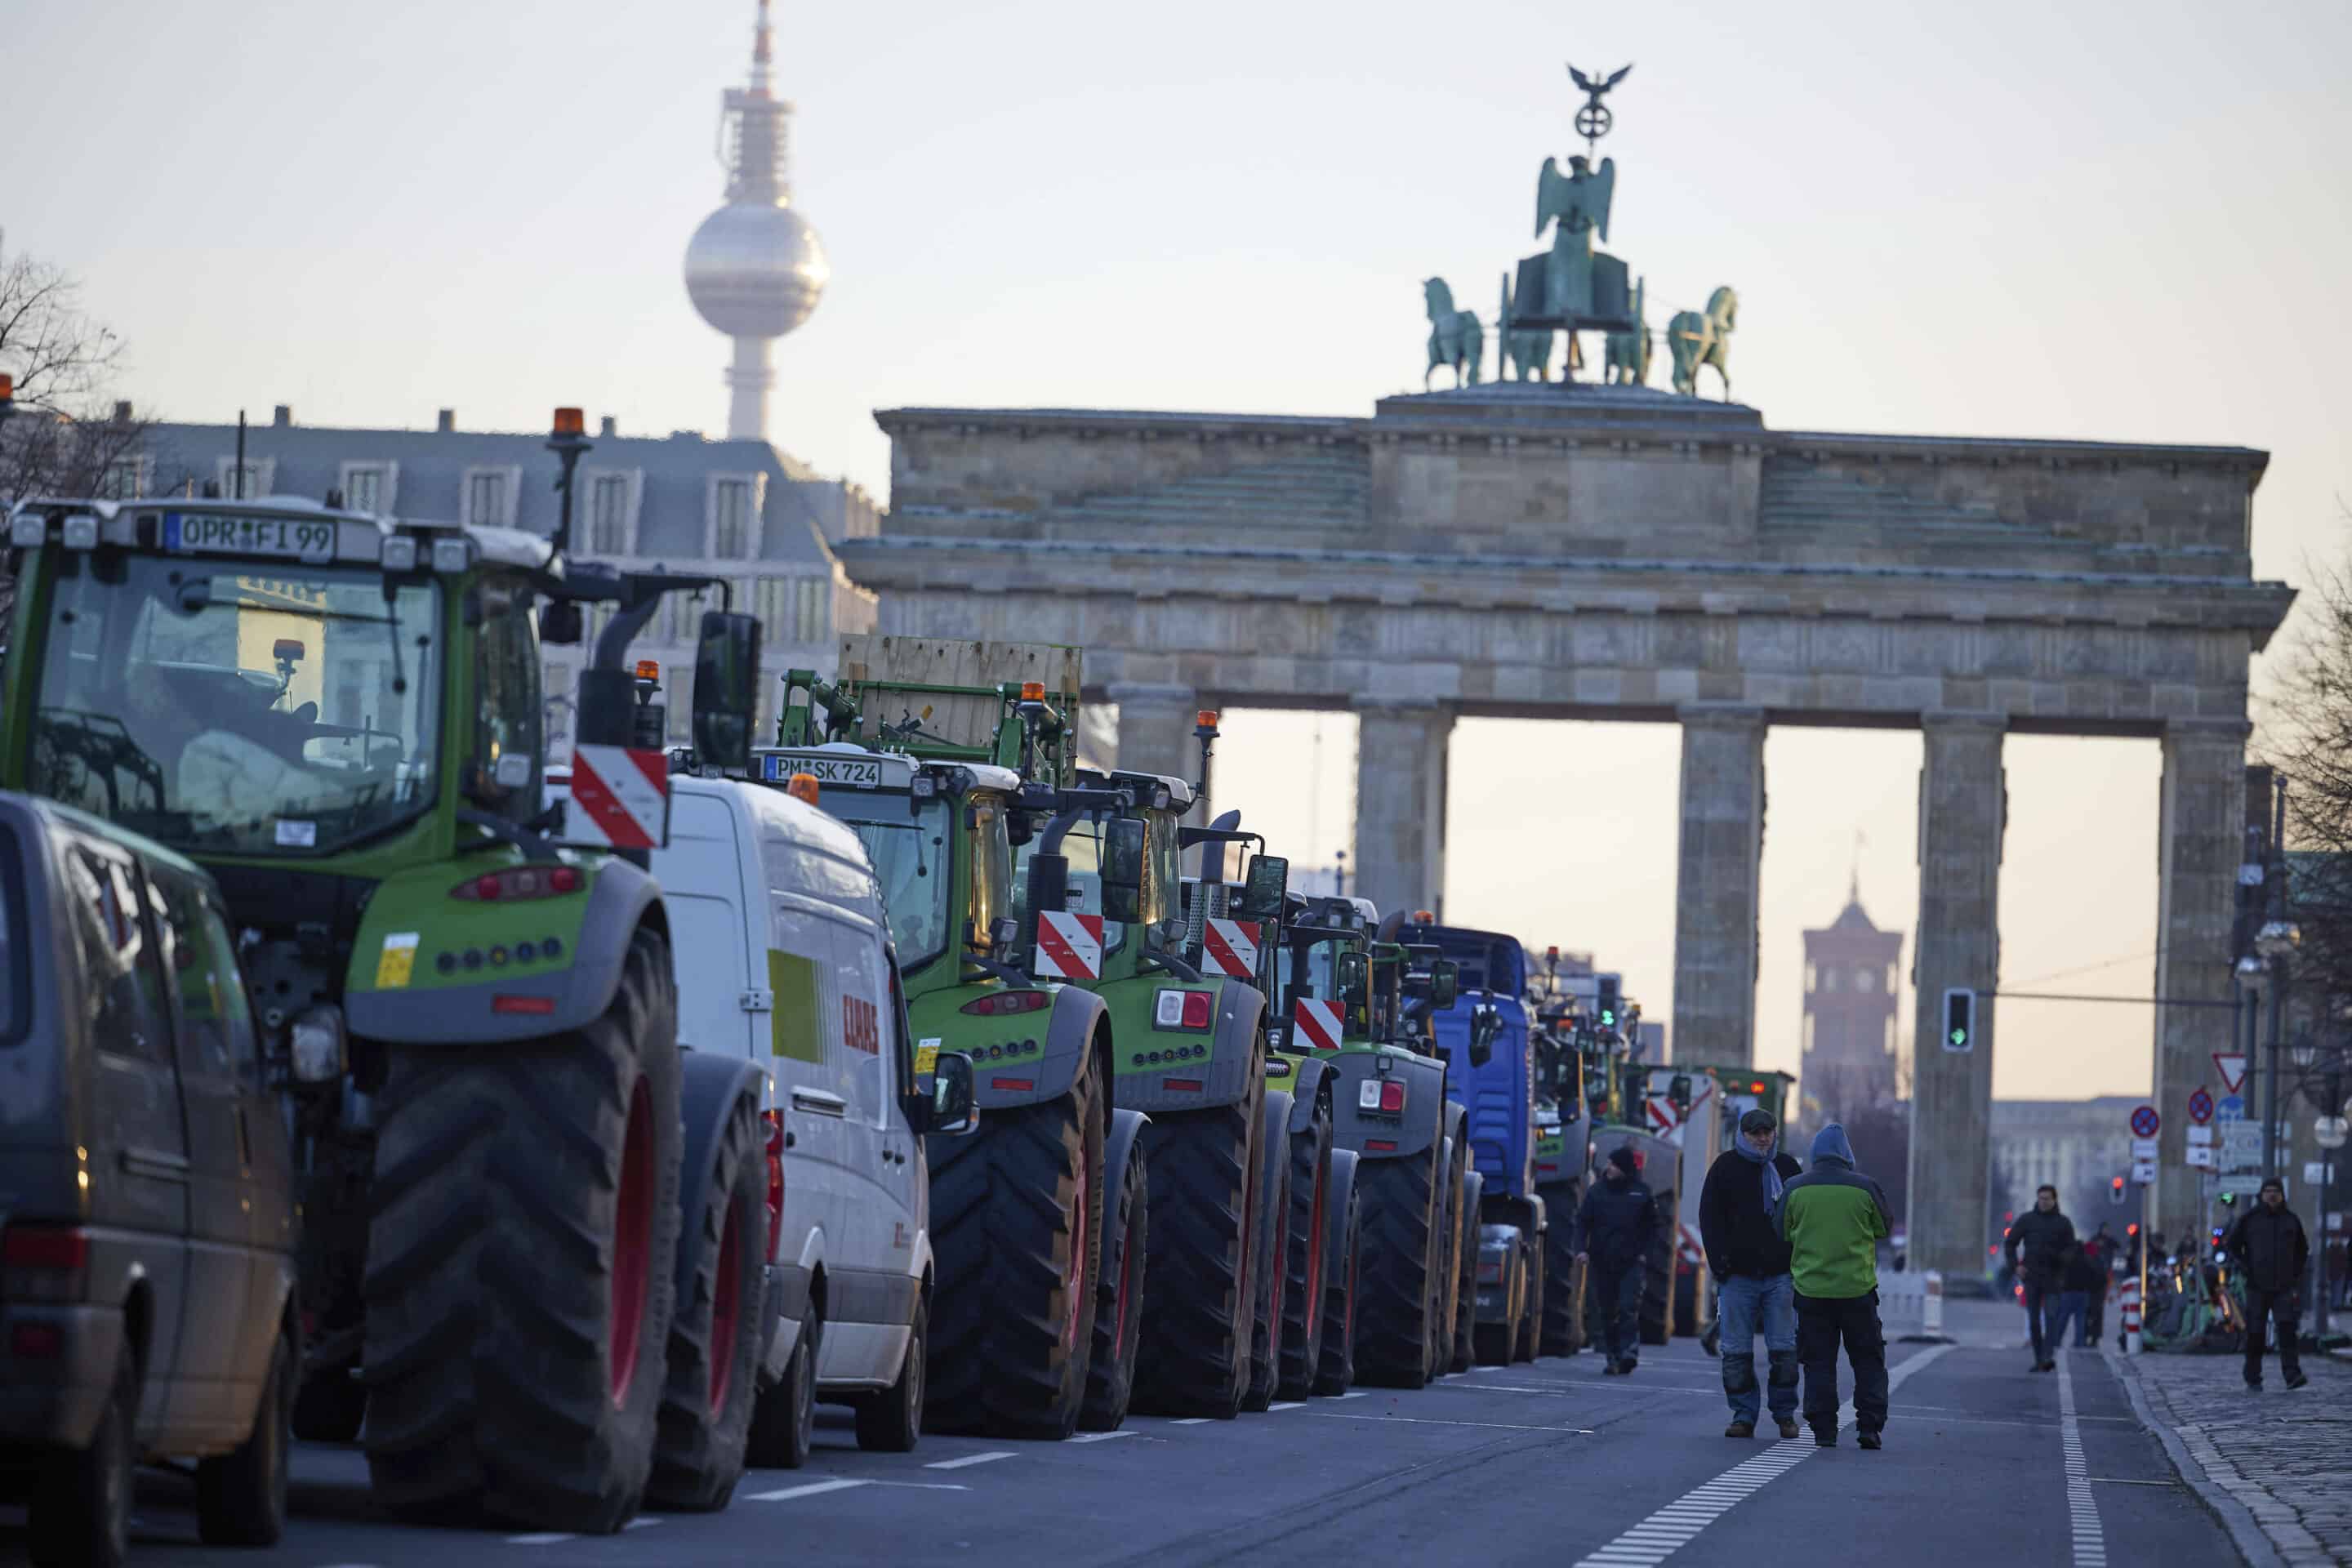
{"x": 15, "y": 969}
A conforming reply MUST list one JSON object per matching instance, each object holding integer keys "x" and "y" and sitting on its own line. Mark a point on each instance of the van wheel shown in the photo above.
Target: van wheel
{"x": 891, "y": 1422}
{"x": 331, "y": 1404}
{"x": 81, "y": 1511}
{"x": 1118, "y": 1304}
{"x": 714, "y": 1336}
{"x": 783, "y": 1421}
{"x": 520, "y": 1265}
{"x": 241, "y": 1496}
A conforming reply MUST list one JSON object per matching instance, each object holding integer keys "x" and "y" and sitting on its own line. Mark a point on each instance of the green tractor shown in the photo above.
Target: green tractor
{"x": 1561, "y": 1135}
{"x": 1103, "y": 909}
{"x": 1306, "y": 1319}
{"x": 520, "y": 1200}
{"x": 1617, "y": 1115}
{"x": 1359, "y": 1004}
{"x": 1035, "y": 1292}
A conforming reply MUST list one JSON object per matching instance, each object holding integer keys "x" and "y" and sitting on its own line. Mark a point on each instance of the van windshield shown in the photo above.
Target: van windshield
{"x": 913, "y": 860}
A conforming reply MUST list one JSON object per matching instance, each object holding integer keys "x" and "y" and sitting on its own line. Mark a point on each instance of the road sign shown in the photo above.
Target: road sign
{"x": 2246, "y": 1185}
{"x": 2144, "y": 1171}
{"x": 2329, "y": 1131}
{"x": 2198, "y": 1135}
{"x": 2316, "y": 1172}
{"x": 2200, "y": 1157}
{"x": 2143, "y": 1148}
{"x": 2233, "y": 1067}
{"x": 2145, "y": 1121}
{"x": 2200, "y": 1107}
{"x": 2241, "y": 1144}
{"x": 2231, "y": 1109}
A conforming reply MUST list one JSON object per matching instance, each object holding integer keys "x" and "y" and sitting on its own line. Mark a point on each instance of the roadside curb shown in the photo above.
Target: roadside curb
{"x": 2212, "y": 1477}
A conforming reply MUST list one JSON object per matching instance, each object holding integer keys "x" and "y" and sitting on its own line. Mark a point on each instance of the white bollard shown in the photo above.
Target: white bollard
{"x": 2129, "y": 1303}
{"x": 1931, "y": 1306}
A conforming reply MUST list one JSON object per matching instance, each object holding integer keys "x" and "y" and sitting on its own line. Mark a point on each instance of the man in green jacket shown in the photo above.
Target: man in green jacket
{"x": 1833, "y": 1218}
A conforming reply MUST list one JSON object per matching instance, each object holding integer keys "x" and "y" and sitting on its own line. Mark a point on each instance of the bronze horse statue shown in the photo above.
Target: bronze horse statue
{"x": 1628, "y": 363}
{"x": 1456, "y": 337}
{"x": 1698, "y": 339}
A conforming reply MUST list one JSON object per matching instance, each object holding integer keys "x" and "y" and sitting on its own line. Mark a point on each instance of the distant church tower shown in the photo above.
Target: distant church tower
{"x": 754, "y": 269}
{"x": 1849, "y": 1008}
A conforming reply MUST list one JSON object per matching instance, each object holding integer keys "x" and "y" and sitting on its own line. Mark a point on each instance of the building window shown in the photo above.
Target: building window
{"x": 731, "y": 507}
{"x": 368, "y": 487}
{"x": 608, "y": 514}
{"x": 1865, "y": 981}
{"x": 125, "y": 480}
{"x": 254, "y": 483}
{"x": 812, "y": 617}
{"x": 486, "y": 497}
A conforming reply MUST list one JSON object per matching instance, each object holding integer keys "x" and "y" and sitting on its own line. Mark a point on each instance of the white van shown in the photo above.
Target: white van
{"x": 783, "y": 956}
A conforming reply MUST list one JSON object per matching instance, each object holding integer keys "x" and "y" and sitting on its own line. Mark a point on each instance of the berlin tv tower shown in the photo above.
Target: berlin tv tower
{"x": 755, "y": 269}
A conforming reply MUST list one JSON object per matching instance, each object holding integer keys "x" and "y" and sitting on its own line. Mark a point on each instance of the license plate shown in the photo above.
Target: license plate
{"x": 845, "y": 772}
{"x": 208, "y": 533}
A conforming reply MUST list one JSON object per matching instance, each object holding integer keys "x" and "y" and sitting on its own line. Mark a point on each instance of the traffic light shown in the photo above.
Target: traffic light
{"x": 1607, "y": 1001}
{"x": 2228, "y": 1200}
{"x": 2116, "y": 1190}
{"x": 2132, "y": 1230}
{"x": 1959, "y": 1018}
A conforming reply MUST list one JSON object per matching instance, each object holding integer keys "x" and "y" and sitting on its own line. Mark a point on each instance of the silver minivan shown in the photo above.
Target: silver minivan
{"x": 146, "y": 1213}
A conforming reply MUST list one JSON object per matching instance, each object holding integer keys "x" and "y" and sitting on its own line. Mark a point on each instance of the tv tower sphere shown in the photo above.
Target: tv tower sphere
{"x": 755, "y": 269}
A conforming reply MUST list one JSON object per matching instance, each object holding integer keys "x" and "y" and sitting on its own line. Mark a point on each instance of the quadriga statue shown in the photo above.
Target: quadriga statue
{"x": 1456, "y": 337}
{"x": 1697, "y": 339}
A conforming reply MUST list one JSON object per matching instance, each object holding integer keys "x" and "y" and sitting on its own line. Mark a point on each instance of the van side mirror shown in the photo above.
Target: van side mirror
{"x": 955, "y": 1101}
{"x": 726, "y": 690}
{"x": 1444, "y": 983}
{"x": 1264, "y": 886}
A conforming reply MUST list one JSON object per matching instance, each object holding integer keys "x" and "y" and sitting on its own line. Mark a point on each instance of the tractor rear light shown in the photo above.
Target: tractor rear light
{"x": 519, "y": 882}
{"x": 997, "y": 1004}
{"x": 648, "y": 669}
{"x": 1190, "y": 1010}
{"x": 535, "y": 1007}
{"x": 1198, "y": 1007}
{"x": 775, "y": 1120}
{"x": 1033, "y": 692}
{"x": 1188, "y": 1085}
{"x": 1380, "y": 1145}
{"x": 1393, "y": 1096}
{"x": 1368, "y": 1096}
{"x": 1490, "y": 1273}
{"x": 1013, "y": 1085}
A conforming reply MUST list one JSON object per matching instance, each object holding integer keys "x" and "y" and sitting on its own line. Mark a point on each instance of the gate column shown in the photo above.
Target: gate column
{"x": 1401, "y": 803}
{"x": 1963, "y": 812}
{"x": 1155, "y": 729}
{"x": 1721, "y": 854}
{"x": 2199, "y": 842}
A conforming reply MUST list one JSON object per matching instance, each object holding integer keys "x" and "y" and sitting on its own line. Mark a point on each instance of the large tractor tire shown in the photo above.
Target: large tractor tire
{"x": 518, "y": 1276}
{"x": 1658, "y": 1278}
{"x": 1491, "y": 1343}
{"x": 1016, "y": 1237}
{"x": 714, "y": 1334}
{"x": 1269, "y": 1288}
{"x": 1335, "y": 1367}
{"x": 1302, "y": 1301}
{"x": 1195, "y": 1356}
{"x": 1402, "y": 1284}
{"x": 1118, "y": 1303}
{"x": 1563, "y": 1305}
{"x": 1465, "y": 1270}
{"x": 1531, "y": 1311}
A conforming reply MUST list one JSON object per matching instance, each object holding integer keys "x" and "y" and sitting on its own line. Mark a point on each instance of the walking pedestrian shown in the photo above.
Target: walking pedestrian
{"x": 1738, "y": 1226}
{"x": 1833, "y": 1218}
{"x": 2270, "y": 1251}
{"x": 2043, "y": 1235}
{"x": 1613, "y": 1231}
{"x": 2077, "y": 1278}
{"x": 2101, "y": 1251}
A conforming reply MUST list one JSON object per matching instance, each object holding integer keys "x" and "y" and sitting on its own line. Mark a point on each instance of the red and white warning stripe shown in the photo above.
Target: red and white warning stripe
{"x": 1230, "y": 947}
{"x": 1693, "y": 1250}
{"x": 622, "y": 797}
{"x": 1069, "y": 946}
{"x": 1664, "y": 1122}
{"x": 1316, "y": 1025}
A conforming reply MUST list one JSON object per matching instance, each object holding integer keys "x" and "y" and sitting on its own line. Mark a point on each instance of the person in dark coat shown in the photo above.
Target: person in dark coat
{"x": 2042, "y": 1235}
{"x": 2100, "y": 1251}
{"x": 1739, "y": 1211}
{"x": 1613, "y": 1231}
{"x": 2270, "y": 1251}
{"x": 2078, "y": 1276}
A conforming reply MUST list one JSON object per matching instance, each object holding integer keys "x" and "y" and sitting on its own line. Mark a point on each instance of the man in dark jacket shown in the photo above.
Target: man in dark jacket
{"x": 1613, "y": 1229}
{"x": 2043, "y": 1236}
{"x": 2269, "y": 1250}
{"x": 1738, "y": 1213}
{"x": 1833, "y": 1217}
{"x": 2100, "y": 1253}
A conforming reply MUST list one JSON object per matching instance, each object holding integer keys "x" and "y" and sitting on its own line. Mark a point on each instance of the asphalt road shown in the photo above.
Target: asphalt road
{"x": 1547, "y": 1464}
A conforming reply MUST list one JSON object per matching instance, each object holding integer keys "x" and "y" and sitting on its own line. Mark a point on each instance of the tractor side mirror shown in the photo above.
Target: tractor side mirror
{"x": 1444, "y": 983}
{"x": 1355, "y": 977}
{"x": 561, "y": 624}
{"x": 726, "y": 690}
{"x": 955, "y": 1102}
{"x": 1265, "y": 884}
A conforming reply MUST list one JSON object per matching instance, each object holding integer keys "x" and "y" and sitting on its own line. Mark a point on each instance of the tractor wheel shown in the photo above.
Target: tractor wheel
{"x": 1491, "y": 1343}
{"x": 1302, "y": 1308}
{"x": 519, "y": 1266}
{"x": 1016, "y": 1236}
{"x": 1465, "y": 1271}
{"x": 1118, "y": 1304}
{"x": 1335, "y": 1368}
{"x": 714, "y": 1334}
{"x": 1270, "y": 1290}
{"x": 1658, "y": 1280}
{"x": 1562, "y": 1330}
{"x": 1532, "y": 1312}
{"x": 1195, "y": 1356}
{"x": 1403, "y": 1257}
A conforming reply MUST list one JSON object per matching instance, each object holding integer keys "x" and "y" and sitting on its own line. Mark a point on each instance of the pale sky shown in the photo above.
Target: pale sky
{"x": 2124, "y": 221}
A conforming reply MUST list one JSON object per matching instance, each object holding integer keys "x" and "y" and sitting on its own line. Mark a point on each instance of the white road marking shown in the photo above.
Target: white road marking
{"x": 1189, "y": 1421}
{"x": 641, "y": 1522}
{"x": 1431, "y": 1421}
{"x": 2090, "y": 1541}
{"x": 989, "y": 1457}
{"x": 1288, "y": 1404}
{"x": 1099, "y": 1437}
{"x": 1356, "y": 1393}
{"x": 924, "y": 1486}
{"x": 1677, "y": 1525}
{"x": 545, "y": 1538}
{"x": 812, "y": 1488}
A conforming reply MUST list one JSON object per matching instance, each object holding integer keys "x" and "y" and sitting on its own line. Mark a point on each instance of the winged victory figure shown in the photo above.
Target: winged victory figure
{"x": 1578, "y": 201}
